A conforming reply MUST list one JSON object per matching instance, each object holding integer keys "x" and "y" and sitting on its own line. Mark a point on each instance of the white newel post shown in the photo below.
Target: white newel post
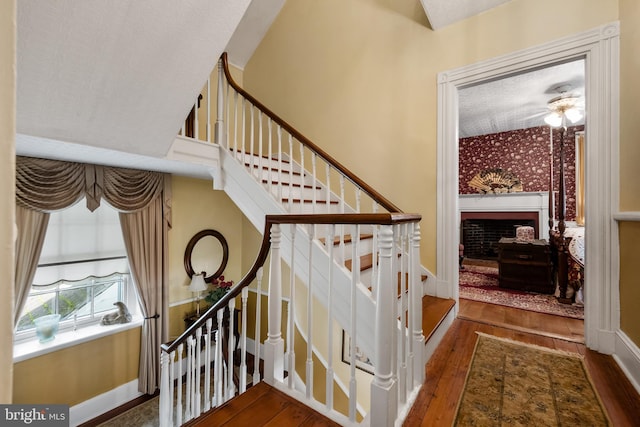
{"x": 384, "y": 400}
{"x": 416, "y": 294}
{"x": 165, "y": 397}
{"x": 219, "y": 129}
{"x": 274, "y": 346}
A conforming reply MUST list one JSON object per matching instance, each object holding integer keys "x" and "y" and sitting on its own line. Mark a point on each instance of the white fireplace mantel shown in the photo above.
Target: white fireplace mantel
{"x": 509, "y": 202}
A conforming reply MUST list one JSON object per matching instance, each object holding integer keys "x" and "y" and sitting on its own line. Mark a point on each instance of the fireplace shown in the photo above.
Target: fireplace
{"x": 485, "y": 218}
{"x": 480, "y": 235}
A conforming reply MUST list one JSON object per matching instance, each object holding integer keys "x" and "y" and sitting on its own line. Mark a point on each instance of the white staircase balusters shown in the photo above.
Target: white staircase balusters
{"x": 243, "y": 338}
{"x": 258, "y": 334}
{"x": 416, "y": 300}
{"x": 207, "y": 366}
{"x": 353, "y": 333}
{"x": 330, "y": 374}
{"x": 231, "y": 345}
{"x": 309, "y": 364}
{"x": 291, "y": 354}
{"x": 179, "y": 407}
{"x": 398, "y": 363}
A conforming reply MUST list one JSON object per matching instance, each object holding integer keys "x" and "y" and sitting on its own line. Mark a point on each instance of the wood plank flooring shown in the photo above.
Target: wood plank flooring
{"x": 262, "y": 405}
{"x": 446, "y": 372}
{"x": 522, "y": 320}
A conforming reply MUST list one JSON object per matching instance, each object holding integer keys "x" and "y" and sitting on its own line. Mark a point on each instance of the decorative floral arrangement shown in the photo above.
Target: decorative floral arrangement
{"x": 221, "y": 287}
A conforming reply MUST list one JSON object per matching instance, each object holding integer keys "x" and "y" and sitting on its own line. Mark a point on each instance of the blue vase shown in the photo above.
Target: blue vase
{"x": 47, "y": 327}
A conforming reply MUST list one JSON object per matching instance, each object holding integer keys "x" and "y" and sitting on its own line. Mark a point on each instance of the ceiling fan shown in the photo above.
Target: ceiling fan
{"x": 567, "y": 105}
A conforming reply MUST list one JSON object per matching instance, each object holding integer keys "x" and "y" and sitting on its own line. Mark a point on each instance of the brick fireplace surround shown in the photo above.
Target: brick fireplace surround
{"x": 485, "y": 218}
{"x": 481, "y": 231}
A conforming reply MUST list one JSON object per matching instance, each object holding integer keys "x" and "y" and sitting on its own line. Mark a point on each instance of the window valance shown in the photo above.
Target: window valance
{"x": 49, "y": 185}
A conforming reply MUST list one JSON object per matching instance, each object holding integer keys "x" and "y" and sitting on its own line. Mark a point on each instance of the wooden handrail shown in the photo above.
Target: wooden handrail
{"x": 270, "y": 220}
{"x": 377, "y": 197}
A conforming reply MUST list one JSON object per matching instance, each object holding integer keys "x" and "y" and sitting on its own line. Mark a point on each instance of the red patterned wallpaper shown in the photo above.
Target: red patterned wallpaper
{"x": 525, "y": 153}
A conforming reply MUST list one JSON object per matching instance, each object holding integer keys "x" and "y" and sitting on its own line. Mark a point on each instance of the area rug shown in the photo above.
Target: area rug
{"x": 480, "y": 283}
{"x": 511, "y": 383}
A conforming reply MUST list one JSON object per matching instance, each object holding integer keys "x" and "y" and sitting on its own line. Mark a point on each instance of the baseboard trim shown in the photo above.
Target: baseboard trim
{"x": 90, "y": 409}
{"x": 627, "y": 356}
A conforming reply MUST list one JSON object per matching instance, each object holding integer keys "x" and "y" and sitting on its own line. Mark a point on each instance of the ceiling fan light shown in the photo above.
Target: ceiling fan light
{"x": 573, "y": 114}
{"x": 553, "y": 119}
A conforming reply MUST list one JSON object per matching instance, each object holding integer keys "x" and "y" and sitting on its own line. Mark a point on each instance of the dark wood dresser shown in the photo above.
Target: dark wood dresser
{"x": 525, "y": 266}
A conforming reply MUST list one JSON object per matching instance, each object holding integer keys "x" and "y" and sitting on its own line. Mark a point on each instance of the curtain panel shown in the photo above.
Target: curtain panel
{"x": 144, "y": 201}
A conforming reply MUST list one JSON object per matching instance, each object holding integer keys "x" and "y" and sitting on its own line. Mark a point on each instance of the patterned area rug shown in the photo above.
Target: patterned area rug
{"x": 480, "y": 283}
{"x": 510, "y": 383}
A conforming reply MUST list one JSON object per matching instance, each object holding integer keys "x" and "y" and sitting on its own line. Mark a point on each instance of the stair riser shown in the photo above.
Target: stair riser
{"x": 295, "y": 193}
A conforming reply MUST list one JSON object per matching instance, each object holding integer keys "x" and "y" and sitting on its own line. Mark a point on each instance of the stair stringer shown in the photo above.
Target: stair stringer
{"x": 255, "y": 202}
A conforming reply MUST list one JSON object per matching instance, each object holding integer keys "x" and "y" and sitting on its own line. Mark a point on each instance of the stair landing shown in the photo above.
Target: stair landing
{"x": 262, "y": 405}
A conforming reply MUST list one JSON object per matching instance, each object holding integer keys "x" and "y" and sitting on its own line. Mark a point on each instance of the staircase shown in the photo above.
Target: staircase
{"x": 343, "y": 262}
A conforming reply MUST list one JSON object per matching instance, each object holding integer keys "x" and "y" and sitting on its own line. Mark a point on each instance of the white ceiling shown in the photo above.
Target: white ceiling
{"x": 445, "y": 12}
{"x": 110, "y": 82}
{"x": 117, "y": 74}
{"x": 516, "y": 102}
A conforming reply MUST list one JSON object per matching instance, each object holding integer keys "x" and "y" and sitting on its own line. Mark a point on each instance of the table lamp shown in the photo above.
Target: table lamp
{"x": 198, "y": 285}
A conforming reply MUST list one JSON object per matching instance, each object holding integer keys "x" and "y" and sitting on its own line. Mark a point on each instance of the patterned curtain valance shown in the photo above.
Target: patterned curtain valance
{"x": 49, "y": 185}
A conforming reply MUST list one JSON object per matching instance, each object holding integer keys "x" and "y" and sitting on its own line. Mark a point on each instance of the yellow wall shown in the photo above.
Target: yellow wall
{"x": 359, "y": 79}
{"x": 7, "y": 188}
{"x": 100, "y": 365}
{"x": 196, "y": 207}
{"x": 629, "y": 283}
{"x": 629, "y": 106}
{"x": 74, "y": 374}
{"x": 629, "y": 160}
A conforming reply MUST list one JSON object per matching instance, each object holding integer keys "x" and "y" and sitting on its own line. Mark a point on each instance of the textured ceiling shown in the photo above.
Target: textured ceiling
{"x": 111, "y": 82}
{"x": 117, "y": 74}
{"x": 516, "y": 102}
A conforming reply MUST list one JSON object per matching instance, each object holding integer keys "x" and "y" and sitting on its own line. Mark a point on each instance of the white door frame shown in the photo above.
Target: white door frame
{"x": 600, "y": 49}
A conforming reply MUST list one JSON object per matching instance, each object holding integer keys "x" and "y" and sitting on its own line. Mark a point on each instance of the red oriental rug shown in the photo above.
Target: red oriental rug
{"x": 480, "y": 283}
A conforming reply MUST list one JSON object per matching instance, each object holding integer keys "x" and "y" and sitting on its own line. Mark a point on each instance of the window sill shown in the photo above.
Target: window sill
{"x": 33, "y": 348}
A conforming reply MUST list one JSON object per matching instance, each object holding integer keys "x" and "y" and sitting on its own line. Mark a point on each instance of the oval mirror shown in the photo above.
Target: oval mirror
{"x": 206, "y": 252}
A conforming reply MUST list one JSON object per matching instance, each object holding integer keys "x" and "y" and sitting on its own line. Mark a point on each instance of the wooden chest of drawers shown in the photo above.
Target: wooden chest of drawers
{"x": 525, "y": 266}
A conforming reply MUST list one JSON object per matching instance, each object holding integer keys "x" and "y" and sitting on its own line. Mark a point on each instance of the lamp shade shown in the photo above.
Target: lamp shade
{"x": 197, "y": 283}
{"x": 554, "y": 119}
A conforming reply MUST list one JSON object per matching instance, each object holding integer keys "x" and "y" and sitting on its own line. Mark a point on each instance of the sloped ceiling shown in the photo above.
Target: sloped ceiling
{"x": 445, "y": 12}
{"x": 111, "y": 82}
{"x": 117, "y": 74}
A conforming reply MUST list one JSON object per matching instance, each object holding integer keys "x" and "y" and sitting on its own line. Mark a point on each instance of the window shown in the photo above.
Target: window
{"x": 82, "y": 271}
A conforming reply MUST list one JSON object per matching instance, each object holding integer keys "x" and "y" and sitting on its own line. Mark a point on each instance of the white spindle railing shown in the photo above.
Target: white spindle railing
{"x": 280, "y": 167}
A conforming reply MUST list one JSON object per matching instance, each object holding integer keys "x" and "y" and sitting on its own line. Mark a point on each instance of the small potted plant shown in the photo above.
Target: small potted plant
{"x": 220, "y": 288}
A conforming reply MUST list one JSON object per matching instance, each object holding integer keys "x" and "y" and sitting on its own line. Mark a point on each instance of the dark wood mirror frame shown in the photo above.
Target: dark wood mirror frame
{"x": 192, "y": 243}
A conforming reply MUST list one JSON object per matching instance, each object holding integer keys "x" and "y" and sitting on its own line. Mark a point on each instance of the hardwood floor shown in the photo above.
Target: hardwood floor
{"x": 262, "y": 405}
{"x": 446, "y": 372}
{"x": 548, "y": 325}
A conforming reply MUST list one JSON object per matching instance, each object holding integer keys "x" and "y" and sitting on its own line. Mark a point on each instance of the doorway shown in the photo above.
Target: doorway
{"x": 600, "y": 49}
{"x": 507, "y": 154}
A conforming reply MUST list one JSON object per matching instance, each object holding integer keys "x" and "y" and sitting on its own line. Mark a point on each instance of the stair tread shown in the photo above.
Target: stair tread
{"x": 297, "y": 200}
{"x": 264, "y": 156}
{"x": 434, "y": 311}
{"x": 293, "y": 184}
